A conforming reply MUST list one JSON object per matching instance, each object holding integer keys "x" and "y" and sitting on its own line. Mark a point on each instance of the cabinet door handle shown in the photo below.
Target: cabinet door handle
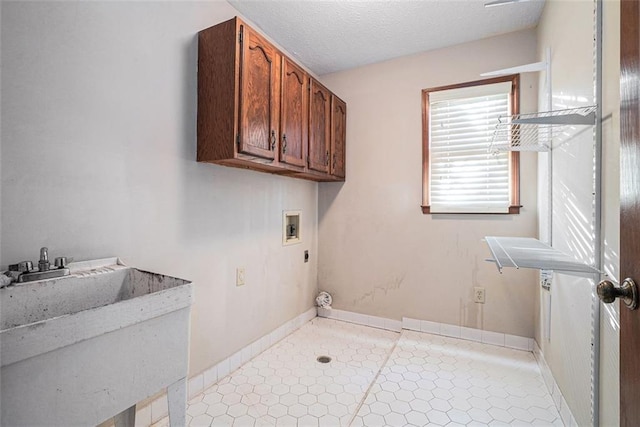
{"x": 284, "y": 143}
{"x": 334, "y": 161}
{"x": 326, "y": 158}
{"x": 273, "y": 139}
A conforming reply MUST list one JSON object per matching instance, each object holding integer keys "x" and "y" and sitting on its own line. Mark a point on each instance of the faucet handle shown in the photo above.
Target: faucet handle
{"x": 61, "y": 262}
{"x": 22, "y": 267}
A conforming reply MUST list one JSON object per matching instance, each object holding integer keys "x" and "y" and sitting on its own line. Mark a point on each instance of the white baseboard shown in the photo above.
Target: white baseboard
{"x": 361, "y": 319}
{"x": 158, "y": 409}
{"x": 554, "y": 390}
{"x": 469, "y": 334}
{"x": 454, "y": 331}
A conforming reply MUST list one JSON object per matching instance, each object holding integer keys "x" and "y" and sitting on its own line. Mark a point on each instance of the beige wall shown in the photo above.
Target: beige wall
{"x": 568, "y": 349}
{"x": 98, "y": 159}
{"x": 379, "y": 254}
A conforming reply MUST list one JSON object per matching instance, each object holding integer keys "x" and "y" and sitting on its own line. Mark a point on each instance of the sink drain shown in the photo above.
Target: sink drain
{"x": 323, "y": 359}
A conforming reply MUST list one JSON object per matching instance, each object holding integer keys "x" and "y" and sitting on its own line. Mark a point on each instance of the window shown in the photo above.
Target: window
{"x": 459, "y": 173}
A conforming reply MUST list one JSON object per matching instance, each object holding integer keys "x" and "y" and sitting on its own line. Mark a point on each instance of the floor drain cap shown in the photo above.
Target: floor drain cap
{"x": 323, "y": 359}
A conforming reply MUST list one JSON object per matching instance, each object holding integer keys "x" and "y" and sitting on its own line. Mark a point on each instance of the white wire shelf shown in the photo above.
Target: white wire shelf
{"x": 527, "y": 252}
{"x": 535, "y": 131}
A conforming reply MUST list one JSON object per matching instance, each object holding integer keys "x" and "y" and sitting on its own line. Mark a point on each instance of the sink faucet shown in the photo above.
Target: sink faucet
{"x": 43, "y": 264}
{"x": 27, "y": 273}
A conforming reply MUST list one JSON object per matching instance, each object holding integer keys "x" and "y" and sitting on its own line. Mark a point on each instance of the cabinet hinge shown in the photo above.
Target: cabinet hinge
{"x": 238, "y": 141}
{"x": 240, "y": 35}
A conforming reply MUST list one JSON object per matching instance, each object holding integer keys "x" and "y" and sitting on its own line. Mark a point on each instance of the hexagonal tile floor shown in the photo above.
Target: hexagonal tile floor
{"x": 441, "y": 381}
{"x": 377, "y": 378}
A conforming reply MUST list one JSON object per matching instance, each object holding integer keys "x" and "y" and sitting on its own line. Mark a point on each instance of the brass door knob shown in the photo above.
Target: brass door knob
{"x": 628, "y": 292}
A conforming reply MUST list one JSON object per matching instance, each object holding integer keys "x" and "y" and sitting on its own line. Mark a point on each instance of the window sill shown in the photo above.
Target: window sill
{"x": 513, "y": 210}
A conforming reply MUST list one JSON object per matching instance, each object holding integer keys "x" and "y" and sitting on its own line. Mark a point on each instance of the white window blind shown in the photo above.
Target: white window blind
{"x": 464, "y": 176}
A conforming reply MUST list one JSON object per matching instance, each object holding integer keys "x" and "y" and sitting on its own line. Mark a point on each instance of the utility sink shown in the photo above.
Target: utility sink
{"x": 79, "y": 349}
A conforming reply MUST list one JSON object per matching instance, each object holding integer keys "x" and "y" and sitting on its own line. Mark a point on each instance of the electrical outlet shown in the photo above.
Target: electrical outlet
{"x": 240, "y": 276}
{"x": 478, "y": 295}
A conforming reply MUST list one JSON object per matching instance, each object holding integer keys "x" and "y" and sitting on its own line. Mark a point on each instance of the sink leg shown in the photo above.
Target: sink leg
{"x": 177, "y": 396}
{"x": 126, "y": 418}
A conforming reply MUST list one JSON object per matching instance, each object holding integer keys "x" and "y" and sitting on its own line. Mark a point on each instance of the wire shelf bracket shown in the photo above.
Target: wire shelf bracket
{"x": 527, "y": 68}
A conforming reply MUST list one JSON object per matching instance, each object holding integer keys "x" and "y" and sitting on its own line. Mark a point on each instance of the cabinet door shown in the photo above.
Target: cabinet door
{"x": 319, "y": 128}
{"x": 294, "y": 117}
{"x": 338, "y": 136}
{"x": 259, "y": 95}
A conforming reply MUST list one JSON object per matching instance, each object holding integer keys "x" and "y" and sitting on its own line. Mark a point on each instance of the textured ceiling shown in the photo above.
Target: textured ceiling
{"x": 329, "y": 36}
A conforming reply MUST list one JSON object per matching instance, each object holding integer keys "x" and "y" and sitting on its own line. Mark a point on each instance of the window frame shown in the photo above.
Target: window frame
{"x": 514, "y": 156}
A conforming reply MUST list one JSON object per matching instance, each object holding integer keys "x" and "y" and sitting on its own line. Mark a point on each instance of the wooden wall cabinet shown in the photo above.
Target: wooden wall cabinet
{"x": 295, "y": 115}
{"x": 338, "y": 137}
{"x": 327, "y": 135}
{"x": 260, "y": 110}
{"x": 319, "y": 128}
{"x": 238, "y": 97}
